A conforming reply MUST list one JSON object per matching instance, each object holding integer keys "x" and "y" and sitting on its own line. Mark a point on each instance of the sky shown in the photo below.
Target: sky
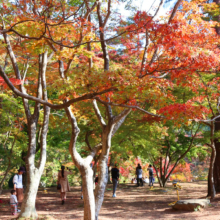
{"x": 150, "y": 6}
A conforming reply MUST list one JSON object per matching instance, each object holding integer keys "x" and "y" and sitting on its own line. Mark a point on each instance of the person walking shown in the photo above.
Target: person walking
{"x": 18, "y": 185}
{"x": 63, "y": 181}
{"x": 139, "y": 175}
{"x": 115, "y": 177}
{"x": 151, "y": 175}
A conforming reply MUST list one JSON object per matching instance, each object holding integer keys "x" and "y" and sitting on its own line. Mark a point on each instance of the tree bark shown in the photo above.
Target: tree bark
{"x": 158, "y": 176}
{"x": 103, "y": 169}
{"x": 216, "y": 169}
{"x": 211, "y": 183}
{"x": 88, "y": 193}
{"x": 28, "y": 209}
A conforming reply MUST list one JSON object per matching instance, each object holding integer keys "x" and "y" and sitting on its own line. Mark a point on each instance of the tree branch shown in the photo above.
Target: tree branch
{"x": 66, "y": 104}
{"x": 98, "y": 113}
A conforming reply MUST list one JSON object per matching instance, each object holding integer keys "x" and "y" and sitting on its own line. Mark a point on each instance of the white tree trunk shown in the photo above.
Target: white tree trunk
{"x": 28, "y": 209}
{"x": 103, "y": 170}
{"x": 88, "y": 194}
{"x": 100, "y": 188}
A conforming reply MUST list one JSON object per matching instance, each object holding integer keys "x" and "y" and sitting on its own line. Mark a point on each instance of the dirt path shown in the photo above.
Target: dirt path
{"x": 131, "y": 203}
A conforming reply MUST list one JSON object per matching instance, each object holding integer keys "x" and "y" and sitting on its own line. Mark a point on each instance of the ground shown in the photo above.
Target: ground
{"x": 131, "y": 203}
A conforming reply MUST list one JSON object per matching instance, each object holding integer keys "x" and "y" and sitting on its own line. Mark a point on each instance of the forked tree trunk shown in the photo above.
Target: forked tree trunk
{"x": 84, "y": 167}
{"x": 28, "y": 209}
{"x": 108, "y": 130}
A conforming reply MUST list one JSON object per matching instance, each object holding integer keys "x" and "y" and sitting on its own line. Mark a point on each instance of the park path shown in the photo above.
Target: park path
{"x": 131, "y": 203}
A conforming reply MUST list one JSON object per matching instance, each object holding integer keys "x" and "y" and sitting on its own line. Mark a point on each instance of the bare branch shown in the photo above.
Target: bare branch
{"x": 119, "y": 120}
{"x": 98, "y": 113}
{"x": 78, "y": 160}
{"x": 174, "y": 10}
{"x": 108, "y": 14}
{"x": 87, "y": 140}
{"x": 128, "y": 106}
{"x": 144, "y": 59}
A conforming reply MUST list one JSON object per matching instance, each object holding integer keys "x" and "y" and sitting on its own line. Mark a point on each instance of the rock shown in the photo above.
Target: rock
{"x": 191, "y": 204}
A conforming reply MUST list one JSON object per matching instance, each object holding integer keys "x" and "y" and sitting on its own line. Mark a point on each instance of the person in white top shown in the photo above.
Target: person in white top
{"x": 13, "y": 202}
{"x": 18, "y": 185}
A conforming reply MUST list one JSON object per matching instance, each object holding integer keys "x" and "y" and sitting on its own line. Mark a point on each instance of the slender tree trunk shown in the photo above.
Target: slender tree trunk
{"x": 158, "y": 176}
{"x": 216, "y": 168}
{"x": 211, "y": 184}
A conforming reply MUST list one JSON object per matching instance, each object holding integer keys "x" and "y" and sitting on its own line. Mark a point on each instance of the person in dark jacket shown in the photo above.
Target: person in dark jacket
{"x": 139, "y": 175}
{"x": 115, "y": 177}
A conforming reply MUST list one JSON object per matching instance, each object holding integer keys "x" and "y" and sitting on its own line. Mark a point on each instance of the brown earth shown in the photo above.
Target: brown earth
{"x": 131, "y": 203}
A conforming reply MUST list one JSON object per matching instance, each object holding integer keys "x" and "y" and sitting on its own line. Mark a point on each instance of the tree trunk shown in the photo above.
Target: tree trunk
{"x": 164, "y": 181}
{"x": 158, "y": 176}
{"x": 88, "y": 194}
{"x": 28, "y": 209}
{"x": 211, "y": 184}
{"x": 103, "y": 170}
{"x": 216, "y": 169}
